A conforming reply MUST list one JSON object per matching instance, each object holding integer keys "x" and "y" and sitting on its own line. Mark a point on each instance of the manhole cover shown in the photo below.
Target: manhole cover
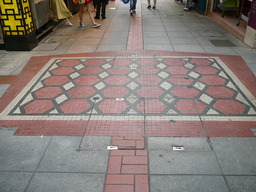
{"x": 222, "y": 43}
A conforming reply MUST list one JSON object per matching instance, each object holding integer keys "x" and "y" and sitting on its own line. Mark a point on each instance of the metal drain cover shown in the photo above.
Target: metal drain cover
{"x": 222, "y": 43}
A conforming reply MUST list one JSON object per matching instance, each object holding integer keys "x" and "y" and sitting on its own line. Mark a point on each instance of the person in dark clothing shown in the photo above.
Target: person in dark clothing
{"x": 133, "y": 6}
{"x": 101, "y": 8}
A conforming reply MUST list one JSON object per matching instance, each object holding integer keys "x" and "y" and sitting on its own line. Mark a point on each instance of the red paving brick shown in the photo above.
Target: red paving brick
{"x": 127, "y": 169}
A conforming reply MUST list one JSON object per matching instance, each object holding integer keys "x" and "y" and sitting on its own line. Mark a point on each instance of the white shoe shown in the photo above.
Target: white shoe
{"x": 96, "y": 25}
{"x": 68, "y": 23}
{"x": 186, "y": 9}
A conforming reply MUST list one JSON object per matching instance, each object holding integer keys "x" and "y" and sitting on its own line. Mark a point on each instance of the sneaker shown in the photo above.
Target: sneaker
{"x": 82, "y": 25}
{"x": 134, "y": 12}
{"x": 149, "y": 7}
{"x": 154, "y": 7}
{"x": 97, "y": 25}
{"x": 131, "y": 12}
{"x": 186, "y": 9}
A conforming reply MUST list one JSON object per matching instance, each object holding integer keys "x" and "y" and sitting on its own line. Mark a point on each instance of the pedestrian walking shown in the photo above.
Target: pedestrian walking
{"x": 149, "y": 5}
{"x": 59, "y": 11}
{"x": 101, "y": 8}
{"x": 90, "y": 8}
{"x": 133, "y": 6}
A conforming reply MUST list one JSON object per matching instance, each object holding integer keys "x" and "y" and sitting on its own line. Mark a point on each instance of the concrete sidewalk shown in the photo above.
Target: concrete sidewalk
{"x": 143, "y": 162}
{"x": 52, "y": 163}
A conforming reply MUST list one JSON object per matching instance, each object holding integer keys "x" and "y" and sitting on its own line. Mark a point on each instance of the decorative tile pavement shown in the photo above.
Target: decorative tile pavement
{"x": 168, "y": 94}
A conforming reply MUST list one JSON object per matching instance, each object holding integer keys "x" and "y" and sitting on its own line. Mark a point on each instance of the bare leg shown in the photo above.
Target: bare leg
{"x": 148, "y": 2}
{"x": 81, "y": 12}
{"x": 154, "y": 3}
{"x": 90, "y": 8}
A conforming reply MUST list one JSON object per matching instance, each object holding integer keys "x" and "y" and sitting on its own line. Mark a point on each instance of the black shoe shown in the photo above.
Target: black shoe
{"x": 131, "y": 12}
{"x": 149, "y": 7}
{"x": 103, "y": 17}
{"x": 96, "y": 17}
{"x": 154, "y": 7}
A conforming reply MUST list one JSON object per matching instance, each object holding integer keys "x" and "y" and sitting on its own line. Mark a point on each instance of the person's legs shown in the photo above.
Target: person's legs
{"x": 89, "y": 6}
{"x": 154, "y": 7}
{"x": 103, "y": 9}
{"x": 98, "y": 7}
{"x": 149, "y": 6}
{"x": 81, "y": 14}
{"x": 134, "y": 5}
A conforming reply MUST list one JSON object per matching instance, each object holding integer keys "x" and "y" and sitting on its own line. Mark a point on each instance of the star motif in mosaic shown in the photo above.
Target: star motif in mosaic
{"x": 133, "y": 86}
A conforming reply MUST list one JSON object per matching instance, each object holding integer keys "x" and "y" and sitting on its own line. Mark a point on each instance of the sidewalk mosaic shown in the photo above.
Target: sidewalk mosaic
{"x": 145, "y": 91}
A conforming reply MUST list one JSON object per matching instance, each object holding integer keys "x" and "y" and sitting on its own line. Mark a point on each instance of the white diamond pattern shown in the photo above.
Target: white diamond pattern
{"x": 132, "y": 85}
{"x": 74, "y": 75}
{"x": 133, "y": 74}
{"x": 100, "y": 85}
{"x": 61, "y": 98}
{"x": 205, "y": 98}
{"x": 165, "y": 85}
{"x": 68, "y": 86}
{"x": 163, "y": 74}
{"x": 103, "y": 75}
{"x": 80, "y": 66}
{"x": 161, "y": 66}
{"x": 193, "y": 74}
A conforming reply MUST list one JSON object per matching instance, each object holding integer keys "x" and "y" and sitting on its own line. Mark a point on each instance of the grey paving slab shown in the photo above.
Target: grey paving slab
{"x": 82, "y": 48}
{"x": 14, "y": 181}
{"x": 241, "y": 183}
{"x": 158, "y": 34}
{"x": 61, "y": 149}
{"x": 3, "y": 88}
{"x": 236, "y": 155}
{"x": 180, "y": 34}
{"x": 183, "y": 41}
{"x": 66, "y": 182}
{"x": 219, "y": 50}
{"x": 189, "y": 144}
{"x": 95, "y": 142}
{"x": 189, "y": 48}
{"x": 20, "y": 153}
{"x": 249, "y": 57}
{"x": 113, "y": 40}
{"x": 174, "y": 162}
{"x": 116, "y": 34}
{"x": 108, "y": 47}
{"x": 165, "y": 47}
{"x": 187, "y": 183}
{"x": 157, "y": 40}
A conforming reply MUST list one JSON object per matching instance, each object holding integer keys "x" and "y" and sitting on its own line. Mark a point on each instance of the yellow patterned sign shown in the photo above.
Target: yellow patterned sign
{"x": 16, "y": 17}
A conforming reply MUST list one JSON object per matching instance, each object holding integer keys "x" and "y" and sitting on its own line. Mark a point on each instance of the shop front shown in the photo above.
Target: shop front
{"x": 236, "y": 16}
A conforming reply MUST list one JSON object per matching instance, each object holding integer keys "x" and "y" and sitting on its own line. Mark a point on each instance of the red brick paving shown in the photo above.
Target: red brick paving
{"x": 128, "y": 169}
